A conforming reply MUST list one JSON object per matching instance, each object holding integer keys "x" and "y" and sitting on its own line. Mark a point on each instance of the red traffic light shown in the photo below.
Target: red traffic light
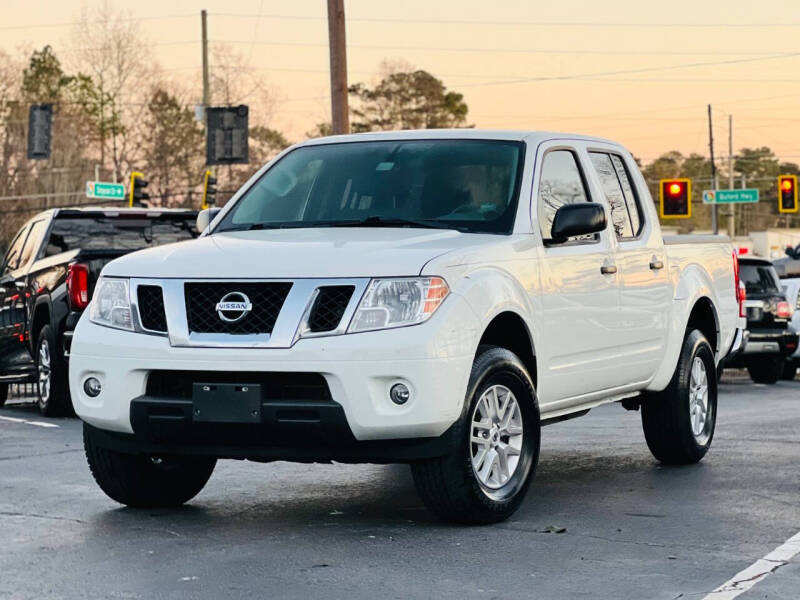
{"x": 676, "y": 198}
{"x": 675, "y": 189}
{"x": 787, "y": 194}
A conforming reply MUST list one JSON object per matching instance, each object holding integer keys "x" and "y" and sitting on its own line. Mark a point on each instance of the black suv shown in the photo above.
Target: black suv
{"x": 771, "y": 338}
{"x": 46, "y": 281}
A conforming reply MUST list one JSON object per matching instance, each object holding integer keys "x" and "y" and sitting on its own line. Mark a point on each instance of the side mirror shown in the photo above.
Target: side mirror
{"x": 204, "y": 217}
{"x": 573, "y": 220}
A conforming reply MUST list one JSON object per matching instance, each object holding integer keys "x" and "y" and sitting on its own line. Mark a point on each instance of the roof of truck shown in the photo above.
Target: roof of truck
{"x": 532, "y": 137}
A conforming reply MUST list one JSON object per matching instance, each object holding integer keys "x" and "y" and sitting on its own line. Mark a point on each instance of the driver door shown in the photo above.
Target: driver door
{"x": 579, "y": 289}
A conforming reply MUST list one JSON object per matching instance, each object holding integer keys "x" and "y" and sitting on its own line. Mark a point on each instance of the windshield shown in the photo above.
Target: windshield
{"x": 120, "y": 233}
{"x": 471, "y": 185}
{"x": 759, "y": 279}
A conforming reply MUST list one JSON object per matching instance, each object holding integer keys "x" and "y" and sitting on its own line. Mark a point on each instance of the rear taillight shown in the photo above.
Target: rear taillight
{"x": 741, "y": 293}
{"x": 78, "y": 286}
{"x": 783, "y": 310}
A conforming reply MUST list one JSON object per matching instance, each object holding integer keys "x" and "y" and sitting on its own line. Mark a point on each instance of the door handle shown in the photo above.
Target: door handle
{"x": 656, "y": 264}
{"x": 608, "y": 269}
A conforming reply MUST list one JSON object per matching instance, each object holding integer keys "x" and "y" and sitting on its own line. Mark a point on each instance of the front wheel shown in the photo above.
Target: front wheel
{"x": 484, "y": 476}
{"x": 679, "y": 422}
{"x": 3, "y": 393}
{"x": 144, "y": 481}
{"x": 766, "y": 371}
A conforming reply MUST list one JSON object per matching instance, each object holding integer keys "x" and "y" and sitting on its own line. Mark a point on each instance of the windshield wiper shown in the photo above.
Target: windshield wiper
{"x": 377, "y": 221}
{"x": 372, "y": 221}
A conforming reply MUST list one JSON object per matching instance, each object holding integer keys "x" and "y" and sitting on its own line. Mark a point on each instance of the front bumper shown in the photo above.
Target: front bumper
{"x": 433, "y": 359}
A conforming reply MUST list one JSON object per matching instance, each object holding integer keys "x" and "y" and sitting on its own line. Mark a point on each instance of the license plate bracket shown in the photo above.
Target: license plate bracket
{"x": 226, "y": 402}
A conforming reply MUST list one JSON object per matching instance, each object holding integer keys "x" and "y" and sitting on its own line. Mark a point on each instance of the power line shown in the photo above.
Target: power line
{"x": 517, "y": 23}
{"x": 98, "y": 22}
{"x": 628, "y": 71}
{"x": 515, "y": 50}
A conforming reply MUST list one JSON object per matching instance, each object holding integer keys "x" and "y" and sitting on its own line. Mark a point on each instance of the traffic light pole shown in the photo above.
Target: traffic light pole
{"x": 732, "y": 214}
{"x": 714, "y": 211}
{"x": 204, "y": 25}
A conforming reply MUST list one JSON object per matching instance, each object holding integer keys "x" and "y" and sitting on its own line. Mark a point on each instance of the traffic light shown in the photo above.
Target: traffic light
{"x": 675, "y": 197}
{"x": 787, "y": 193}
{"x": 226, "y": 135}
{"x": 209, "y": 191}
{"x": 40, "y": 130}
{"x": 136, "y": 193}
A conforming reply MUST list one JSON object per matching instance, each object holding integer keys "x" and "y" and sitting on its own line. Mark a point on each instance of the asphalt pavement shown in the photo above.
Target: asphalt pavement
{"x": 631, "y": 527}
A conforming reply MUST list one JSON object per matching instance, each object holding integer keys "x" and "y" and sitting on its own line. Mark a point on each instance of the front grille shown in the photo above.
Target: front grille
{"x": 151, "y": 308}
{"x": 201, "y": 306}
{"x": 329, "y": 307}
{"x": 275, "y": 386}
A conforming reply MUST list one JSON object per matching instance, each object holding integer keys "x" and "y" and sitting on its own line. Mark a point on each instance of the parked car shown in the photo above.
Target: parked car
{"x": 791, "y": 289}
{"x": 428, "y": 297}
{"x": 771, "y": 339}
{"x": 47, "y": 279}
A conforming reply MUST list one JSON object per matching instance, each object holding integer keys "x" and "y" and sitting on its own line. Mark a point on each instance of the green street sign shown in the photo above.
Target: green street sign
{"x": 730, "y": 196}
{"x": 105, "y": 191}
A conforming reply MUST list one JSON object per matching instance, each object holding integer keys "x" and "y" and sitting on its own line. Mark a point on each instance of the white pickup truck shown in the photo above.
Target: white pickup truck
{"x": 424, "y": 297}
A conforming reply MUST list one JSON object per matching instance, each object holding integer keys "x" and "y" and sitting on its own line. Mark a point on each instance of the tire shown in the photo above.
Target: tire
{"x": 789, "y": 371}
{"x": 3, "y": 393}
{"x": 52, "y": 389}
{"x": 449, "y": 485}
{"x": 142, "y": 481}
{"x": 766, "y": 371}
{"x": 667, "y": 416}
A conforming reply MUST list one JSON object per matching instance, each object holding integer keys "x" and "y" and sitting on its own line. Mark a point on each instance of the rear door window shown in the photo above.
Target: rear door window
{"x": 625, "y": 214}
{"x": 12, "y": 256}
{"x": 33, "y": 242}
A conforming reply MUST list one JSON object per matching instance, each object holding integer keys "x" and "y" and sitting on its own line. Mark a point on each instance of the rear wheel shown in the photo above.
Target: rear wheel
{"x": 491, "y": 463}
{"x": 52, "y": 389}
{"x": 144, "y": 481}
{"x": 766, "y": 371}
{"x": 679, "y": 422}
{"x": 789, "y": 371}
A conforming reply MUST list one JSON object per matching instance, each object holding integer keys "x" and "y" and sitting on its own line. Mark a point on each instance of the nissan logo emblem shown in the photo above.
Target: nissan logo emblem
{"x": 233, "y": 307}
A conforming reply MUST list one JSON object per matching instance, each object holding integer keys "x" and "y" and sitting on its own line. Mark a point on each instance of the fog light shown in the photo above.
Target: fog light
{"x": 399, "y": 393}
{"x": 92, "y": 387}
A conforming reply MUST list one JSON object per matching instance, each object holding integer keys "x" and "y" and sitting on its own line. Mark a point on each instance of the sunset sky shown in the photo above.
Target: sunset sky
{"x": 639, "y": 72}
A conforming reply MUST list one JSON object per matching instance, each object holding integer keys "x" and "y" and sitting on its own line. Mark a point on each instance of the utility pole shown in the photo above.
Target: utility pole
{"x": 204, "y": 24}
{"x": 732, "y": 214}
{"x": 714, "y": 212}
{"x": 340, "y": 120}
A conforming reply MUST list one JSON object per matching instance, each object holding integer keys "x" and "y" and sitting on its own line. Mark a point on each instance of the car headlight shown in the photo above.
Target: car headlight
{"x": 398, "y": 302}
{"x": 111, "y": 304}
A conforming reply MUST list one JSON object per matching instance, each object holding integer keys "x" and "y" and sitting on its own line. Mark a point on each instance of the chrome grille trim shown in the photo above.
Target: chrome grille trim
{"x": 290, "y": 326}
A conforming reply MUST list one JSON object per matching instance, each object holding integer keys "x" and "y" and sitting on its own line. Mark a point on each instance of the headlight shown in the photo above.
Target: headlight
{"x": 111, "y": 304}
{"x": 398, "y": 302}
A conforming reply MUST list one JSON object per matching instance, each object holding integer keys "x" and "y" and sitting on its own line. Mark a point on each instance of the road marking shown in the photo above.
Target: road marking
{"x": 26, "y": 422}
{"x": 746, "y": 579}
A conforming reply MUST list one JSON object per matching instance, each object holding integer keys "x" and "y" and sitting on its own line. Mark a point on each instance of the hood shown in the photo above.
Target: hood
{"x": 295, "y": 253}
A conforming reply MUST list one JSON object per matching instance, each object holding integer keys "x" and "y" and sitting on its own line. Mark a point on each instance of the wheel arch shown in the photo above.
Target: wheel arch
{"x": 699, "y": 312}
{"x": 504, "y": 312}
{"x": 508, "y": 330}
{"x": 41, "y": 315}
